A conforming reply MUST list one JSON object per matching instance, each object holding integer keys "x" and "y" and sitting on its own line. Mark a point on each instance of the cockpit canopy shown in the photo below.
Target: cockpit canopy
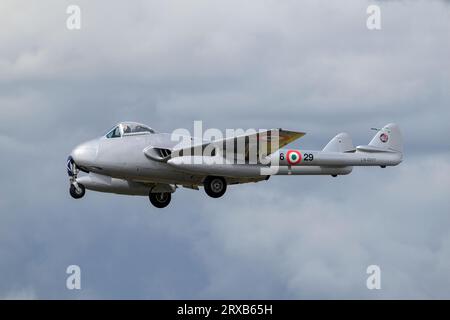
{"x": 129, "y": 129}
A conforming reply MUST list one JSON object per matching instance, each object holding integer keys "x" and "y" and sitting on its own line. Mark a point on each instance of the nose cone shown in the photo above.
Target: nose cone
{"x": 86, "y": 153}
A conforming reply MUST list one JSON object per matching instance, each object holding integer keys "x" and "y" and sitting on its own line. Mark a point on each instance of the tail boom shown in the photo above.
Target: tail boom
{"x": 339, "y": 156}
{"x": 361, "y": 157}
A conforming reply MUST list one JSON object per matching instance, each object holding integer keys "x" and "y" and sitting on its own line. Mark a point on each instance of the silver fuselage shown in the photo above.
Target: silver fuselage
{"x": 123, "y": 158}
{"x": 130, "y": 163}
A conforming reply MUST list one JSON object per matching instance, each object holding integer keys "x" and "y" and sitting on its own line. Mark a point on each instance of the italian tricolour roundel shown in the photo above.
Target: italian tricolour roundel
{"x": 293, "y": 157}
{"x": 384, "y": 137}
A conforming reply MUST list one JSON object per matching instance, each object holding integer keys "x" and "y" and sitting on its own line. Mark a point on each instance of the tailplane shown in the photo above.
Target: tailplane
{"x": 340, "y": 143}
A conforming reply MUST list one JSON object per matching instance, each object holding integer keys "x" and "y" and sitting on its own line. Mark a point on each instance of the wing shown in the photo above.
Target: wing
{"x": 256, "y": 144}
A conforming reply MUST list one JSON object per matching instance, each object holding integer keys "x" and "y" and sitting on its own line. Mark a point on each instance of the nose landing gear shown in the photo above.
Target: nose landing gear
{"x": 76, "y": 190}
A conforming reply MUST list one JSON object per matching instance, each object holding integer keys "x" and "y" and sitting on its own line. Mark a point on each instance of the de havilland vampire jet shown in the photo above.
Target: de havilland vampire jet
{"x": 133, "y": 159}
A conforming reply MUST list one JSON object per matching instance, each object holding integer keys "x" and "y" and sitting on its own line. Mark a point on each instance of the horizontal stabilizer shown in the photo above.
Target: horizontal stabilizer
{"x": 340, "y": 143}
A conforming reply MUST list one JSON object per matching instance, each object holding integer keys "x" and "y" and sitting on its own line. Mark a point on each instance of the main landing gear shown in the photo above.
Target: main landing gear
{"x": 160, "y": 199}
{"x": 215, "y": 187}
{"x": 76, "y": 190}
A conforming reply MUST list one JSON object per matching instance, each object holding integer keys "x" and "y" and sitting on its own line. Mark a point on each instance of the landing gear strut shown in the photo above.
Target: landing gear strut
{"x": 161, "y": 199}
{"x": 215, "y": 187}
{"x": 76, "y": 190}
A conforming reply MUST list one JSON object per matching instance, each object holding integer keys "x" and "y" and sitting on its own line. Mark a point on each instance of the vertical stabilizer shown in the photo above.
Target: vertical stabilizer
{"x": 389, "y": 137}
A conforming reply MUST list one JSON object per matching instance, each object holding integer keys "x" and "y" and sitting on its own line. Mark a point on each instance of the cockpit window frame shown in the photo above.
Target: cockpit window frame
{"x": 110, "y": 135}
{"x": 145, "y": 130}
{"x": 135, "y": 125}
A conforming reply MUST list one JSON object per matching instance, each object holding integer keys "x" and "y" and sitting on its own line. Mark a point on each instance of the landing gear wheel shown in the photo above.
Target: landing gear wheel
{"x": 160, "y": 200}
{"x": 215, "y": 187}
{"x": 77, "y": 193}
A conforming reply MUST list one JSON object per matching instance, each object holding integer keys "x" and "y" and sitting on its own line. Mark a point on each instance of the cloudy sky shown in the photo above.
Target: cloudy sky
{"x": 304, "y": 65}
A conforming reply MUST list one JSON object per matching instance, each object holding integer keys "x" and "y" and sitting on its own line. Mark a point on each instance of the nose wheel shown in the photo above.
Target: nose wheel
{"x": 76, "y": 190}
{"x": 160, "y": 199}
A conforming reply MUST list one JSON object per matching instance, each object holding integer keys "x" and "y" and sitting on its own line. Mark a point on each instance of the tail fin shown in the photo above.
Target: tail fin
{"x": 340, "y": 143}
{"x": 388, "y": 138}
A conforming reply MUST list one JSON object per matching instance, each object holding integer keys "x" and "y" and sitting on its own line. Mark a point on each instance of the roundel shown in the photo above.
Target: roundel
{"x": 293, "y": 157}
{"x": 384, "y": 137}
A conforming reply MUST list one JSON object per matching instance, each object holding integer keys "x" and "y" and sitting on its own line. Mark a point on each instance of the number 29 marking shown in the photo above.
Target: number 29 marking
{"x": 308, "y": 157}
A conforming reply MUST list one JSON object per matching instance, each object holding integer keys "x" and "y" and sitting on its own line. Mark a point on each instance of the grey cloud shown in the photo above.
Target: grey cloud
{"x": 319, "y": 244}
